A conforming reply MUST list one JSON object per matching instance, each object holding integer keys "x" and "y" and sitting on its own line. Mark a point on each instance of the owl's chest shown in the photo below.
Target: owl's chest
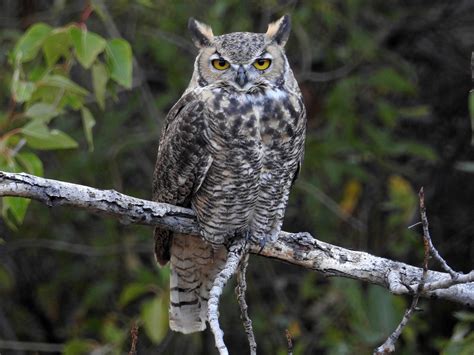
{"x": 262, "y": 119}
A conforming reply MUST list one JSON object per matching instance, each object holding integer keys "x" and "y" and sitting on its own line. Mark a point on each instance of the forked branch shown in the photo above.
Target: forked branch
{"x": 296, "y": 248}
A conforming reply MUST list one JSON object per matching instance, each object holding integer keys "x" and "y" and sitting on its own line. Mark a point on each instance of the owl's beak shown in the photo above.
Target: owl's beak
{"x": 241, "y": 77}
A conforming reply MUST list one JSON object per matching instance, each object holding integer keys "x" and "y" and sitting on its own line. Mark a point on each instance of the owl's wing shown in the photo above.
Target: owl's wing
{"x": 182, "y": 162}
{"x": 300, "y": 157}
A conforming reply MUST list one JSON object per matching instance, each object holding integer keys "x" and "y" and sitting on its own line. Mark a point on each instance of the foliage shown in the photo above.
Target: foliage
{"x": 376, "y": 133}
{"x": 42, "y": 90}
{"x": 462, "y": 339}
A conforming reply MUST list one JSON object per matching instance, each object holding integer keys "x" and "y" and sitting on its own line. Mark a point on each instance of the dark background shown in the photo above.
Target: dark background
{"x": 386, "y": 88}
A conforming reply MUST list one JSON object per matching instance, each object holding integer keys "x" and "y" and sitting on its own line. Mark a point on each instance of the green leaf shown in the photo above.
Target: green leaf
{"x": 30, "y": 43}
{"x": 37, "y": 72}
{"x": 132, "y": 292}
{"x": 87, "y": 45}
{"x": 42, "y": 111}
{"x": 76, "y": 102}
{"x": 78, "y": 347}
{"x": 112, "y": 333}
{"x": 363, "y": 42}
{"x": 415, "y": 111}
{"x": 22, "y": 90}
{"x": 95, "y": 294}
{"x": 62, "y": 82}
{"x": 6, "y": 279}
{"x": 16, "y": 206}
{"x": 383, "y": 316}
{"x": 30, "y": 162}
{"x": 413, "y": 148}
{"x": 88, "y": 122}
{"x": 56, "y": 46}
{"x": 154, "y": 314}
{"x": 387, "y": 112}
{"x": 99, "y": 82}
{"x": 388, "y": 80}
{"x": 13, "y": 208}
{"x": 119, "y": 61}
{"x": 38, "y": 136}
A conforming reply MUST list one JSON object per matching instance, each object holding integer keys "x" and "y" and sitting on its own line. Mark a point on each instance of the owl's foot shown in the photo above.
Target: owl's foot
{"x": 262, "y": 242}
{"x": 248, "y": 235}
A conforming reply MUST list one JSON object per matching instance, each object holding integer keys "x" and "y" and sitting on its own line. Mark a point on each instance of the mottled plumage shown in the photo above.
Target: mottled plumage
{"x": 231, "y": 149}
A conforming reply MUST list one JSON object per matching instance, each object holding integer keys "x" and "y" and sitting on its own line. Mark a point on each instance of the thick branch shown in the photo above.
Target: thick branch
{"x": 295, "y": 248}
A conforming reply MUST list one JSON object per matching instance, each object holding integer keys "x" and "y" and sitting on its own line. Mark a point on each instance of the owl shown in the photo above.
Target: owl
{"x": 231, "y": 148}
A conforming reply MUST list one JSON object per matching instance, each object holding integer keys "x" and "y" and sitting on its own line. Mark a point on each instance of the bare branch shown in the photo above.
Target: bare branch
{"x": 389, "y": 345}
{"x": 134, "y": 337}
{"x": 105, "y": 202}
{"x": 332, "y": 75}
{"x": 236, "y": 250}
{"x": 332, "y": 205}
{"x": 30, "y": 346}
{"x": 78, "y": 249}
{"x": 240, "y": 292}
{"x": 296, "y": 248}
{"x": 427, "y": 237}
{"x": 289, "y": 342}
{"x": 443, "y": 284}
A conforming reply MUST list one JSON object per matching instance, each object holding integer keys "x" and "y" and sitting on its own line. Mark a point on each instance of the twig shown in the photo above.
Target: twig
{"x": 240, "y": 290}
{"x": 332, "y": 205}
{"x": 443, "y": 284}
{"x": 74, "y": 248}
{"x": 289, "y": 341}
{"x": 236, "y": 251}
{"x": 426, "y": 234}
{"x": 389, "y": 345}
{"x": 322, "y": 77}
{"x": 31, "y": 346}
{"x": 414, "y": 225}
{"x": 134, "y": 336}
{"x": 296, "y": 248}
{"x": 85, "y": 14}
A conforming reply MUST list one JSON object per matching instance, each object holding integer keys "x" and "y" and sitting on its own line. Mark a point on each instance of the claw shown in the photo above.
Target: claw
{"x": 262, "y": 242}
{"x": 248, "y": 235}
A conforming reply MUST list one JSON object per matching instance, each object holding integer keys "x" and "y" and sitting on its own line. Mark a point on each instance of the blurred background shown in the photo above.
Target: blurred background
{"x": 386, "y": 85}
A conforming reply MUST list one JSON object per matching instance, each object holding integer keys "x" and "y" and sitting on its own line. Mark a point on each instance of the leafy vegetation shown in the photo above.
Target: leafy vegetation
{"x": 42, "y": 90}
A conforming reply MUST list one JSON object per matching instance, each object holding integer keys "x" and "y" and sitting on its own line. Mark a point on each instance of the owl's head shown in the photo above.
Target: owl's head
{"x": 241, "y": 60}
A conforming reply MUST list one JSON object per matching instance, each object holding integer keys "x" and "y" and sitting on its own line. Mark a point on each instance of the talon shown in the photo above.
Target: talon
{"x": 262, "y": 243}
{"x": 247, "y": 235}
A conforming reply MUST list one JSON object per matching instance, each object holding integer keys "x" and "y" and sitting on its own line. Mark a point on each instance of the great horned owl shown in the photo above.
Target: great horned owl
{"x": 231, "y": 148}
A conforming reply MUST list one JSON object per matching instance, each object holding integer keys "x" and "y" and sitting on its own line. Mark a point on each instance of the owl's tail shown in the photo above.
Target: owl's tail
{"x": 194, "y": 266}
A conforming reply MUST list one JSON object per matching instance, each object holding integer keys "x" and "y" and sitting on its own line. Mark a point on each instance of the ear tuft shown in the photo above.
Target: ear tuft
{"x": 201, "y": 33}
{"x": 279, "y": 31}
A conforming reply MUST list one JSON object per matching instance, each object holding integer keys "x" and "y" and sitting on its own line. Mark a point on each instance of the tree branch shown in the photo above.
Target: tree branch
{"x": 389, "y": 345}
{"x": 295, "y": 248}
{"x": 237, "y": 250}
{"x": 240, "y": 290}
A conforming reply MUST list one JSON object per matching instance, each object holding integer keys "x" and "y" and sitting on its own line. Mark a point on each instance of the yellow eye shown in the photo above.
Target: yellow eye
{"x": 220, "y": 64}
{"x": 262, "y": 63}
